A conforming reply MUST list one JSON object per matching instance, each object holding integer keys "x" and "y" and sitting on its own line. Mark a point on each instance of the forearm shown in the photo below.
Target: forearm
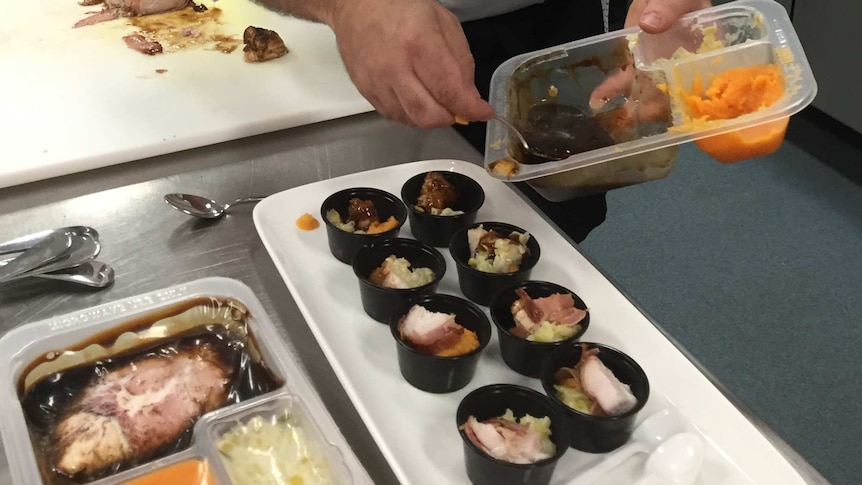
{"x": 315, "y": 10}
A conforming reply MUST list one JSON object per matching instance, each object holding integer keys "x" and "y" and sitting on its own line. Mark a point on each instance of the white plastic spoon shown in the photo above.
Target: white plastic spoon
{"x": 677, "y": 461}
{"x": 652, "y": 431}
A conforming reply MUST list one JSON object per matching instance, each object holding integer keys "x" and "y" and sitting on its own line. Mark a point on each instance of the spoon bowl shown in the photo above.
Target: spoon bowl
{"x": 95, "y": 274}
{"x": 197, "y": 206}
{"x": 677, "y": 461}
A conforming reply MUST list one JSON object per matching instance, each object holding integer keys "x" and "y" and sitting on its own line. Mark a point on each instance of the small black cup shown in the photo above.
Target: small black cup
{"x": 522, "y": 355}
{"x": 344, "y": 245}
{"x": 479, "y": 286}
{"x": 597, "y": 434}
{"x": 380, "y": 302}
{"x": 431, "y": 373}
{"x": 438, "y": 230}
{"x": 491, "y": 402}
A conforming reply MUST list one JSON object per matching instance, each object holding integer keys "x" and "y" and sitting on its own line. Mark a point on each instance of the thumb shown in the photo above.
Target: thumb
{"x": 659, "y": 15}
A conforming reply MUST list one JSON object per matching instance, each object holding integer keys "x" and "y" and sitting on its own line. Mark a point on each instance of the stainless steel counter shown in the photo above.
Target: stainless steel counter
{"x": 152, "y": 246}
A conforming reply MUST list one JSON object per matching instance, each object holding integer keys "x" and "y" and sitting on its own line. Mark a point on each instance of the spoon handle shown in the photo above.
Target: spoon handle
{"x": 244, "y": 200}
{"x": 52, "y": 248}
{"x": 610, "y": 462}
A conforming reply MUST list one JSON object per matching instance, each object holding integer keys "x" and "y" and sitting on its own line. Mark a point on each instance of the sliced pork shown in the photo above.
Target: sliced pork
{"x": 602, "y": 386}
{"x": 507, "y": 440}
{"x": 143, "y": 45}
{"x": 132, "y": 411}
{"x": 557, "y": 309}
{"x": 429, "y": 331}
{"x": 129, "y": 8}
{"x": 262, "y": 45}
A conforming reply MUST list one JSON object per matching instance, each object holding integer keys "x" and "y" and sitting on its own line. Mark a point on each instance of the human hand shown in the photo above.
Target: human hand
{"x": 410, "y": 60}
{"x": 652, "y": 16}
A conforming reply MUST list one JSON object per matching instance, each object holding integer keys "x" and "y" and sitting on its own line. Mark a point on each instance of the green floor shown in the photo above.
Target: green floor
{"x": 756, "y": 268}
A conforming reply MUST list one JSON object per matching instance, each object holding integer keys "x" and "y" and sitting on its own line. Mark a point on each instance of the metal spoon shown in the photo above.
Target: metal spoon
{"x": 92, "y": 273}
{"x": 24, "y": 243}
{"x": 51, "y": 249}
{"x": 197, "y": 206}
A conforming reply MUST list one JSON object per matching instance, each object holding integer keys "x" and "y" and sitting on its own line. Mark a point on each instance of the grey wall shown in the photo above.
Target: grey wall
{"x": 827, "y": 29}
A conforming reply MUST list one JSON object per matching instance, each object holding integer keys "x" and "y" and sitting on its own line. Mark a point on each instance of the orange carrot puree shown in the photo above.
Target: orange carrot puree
{"x": 189, "y": 472}
{"x": 307, "y": 222}
{"x": 733, "y": 93}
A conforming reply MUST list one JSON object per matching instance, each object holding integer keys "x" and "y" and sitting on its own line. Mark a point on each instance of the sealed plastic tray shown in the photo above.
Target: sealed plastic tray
{"x": 181, "y": 385}
{"x": 612, "y": 106}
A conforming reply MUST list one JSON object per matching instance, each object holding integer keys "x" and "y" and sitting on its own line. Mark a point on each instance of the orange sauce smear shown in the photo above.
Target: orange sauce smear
{"x": 734, "y": 93}
{"x": 468, "y": 342}
{"x": 307, "y": 222}
{"x": 189, "y": 472}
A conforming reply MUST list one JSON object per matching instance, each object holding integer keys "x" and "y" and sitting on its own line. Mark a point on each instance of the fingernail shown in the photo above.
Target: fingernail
{"x": 651, "y": 19}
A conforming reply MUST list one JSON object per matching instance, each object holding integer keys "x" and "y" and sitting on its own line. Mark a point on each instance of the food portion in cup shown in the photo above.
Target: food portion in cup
{"x": 520, "y": 440}
{"x": 492, "y": 252}
{"x": 398, "y": 273}
{"x": 591, "y": 388}
{"x": 436, "y": 333}
{"x": 362, "y": 218}
{"x": 549, "y": 318}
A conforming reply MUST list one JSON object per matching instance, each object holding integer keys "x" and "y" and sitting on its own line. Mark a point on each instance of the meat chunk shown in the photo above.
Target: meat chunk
{"x": 262, "y": 45}
{"x": 132, "y": 411}
{"x": 362, "y": 213}
{"x": 128, "y": 8}
{"x": 141, "y": 44}
{"x": 600, "y": 383}
{"x": 429, "y": 331}
{"x": 436, "y": 193}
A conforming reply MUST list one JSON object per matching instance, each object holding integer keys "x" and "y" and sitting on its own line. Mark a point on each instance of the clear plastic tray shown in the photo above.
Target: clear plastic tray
{"x": 295, "y": 399}
{"x": 645, "y": 123}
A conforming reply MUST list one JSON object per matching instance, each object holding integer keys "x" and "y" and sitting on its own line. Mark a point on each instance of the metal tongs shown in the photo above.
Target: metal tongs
{"x": 65, "y": 254}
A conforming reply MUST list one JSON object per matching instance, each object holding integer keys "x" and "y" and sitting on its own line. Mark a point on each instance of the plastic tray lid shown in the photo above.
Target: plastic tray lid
{"x": 739, "y": 34}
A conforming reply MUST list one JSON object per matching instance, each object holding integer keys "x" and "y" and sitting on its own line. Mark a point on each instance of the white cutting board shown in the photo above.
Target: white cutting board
{"x": 78, "y": 99}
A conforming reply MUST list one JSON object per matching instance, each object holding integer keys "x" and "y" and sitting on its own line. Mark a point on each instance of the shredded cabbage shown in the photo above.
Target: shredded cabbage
{"x": 273, "y": 451}
{"x": 507, "y": 255}
{"x": 551, "y": 332}
{"x": 542, "y": 426}
{"x": 574, "y": 399}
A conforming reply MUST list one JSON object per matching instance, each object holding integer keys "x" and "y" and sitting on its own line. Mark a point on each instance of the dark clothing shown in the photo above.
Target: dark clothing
{"x": 496, "y": 39}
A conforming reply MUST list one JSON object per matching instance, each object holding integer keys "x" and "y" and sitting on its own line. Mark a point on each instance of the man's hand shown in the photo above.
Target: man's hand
{"x": 410, "y": 59}
{"x": 656, "y": 16}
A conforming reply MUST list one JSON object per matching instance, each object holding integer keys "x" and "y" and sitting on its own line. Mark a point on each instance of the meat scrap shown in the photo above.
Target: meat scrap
{"x": 436, "y": 193}
{"x": 262, "y": 45}
{"x": 128, "y": 8}
{"x": 141, "y": 44}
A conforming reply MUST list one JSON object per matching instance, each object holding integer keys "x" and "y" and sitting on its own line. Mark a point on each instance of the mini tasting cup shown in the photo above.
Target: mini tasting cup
{"x": 438, "y": 230}
{"x": 521, "y": 355}
{"x": 481, "y": 287}
{"x": 344, "y": 245}
{"x": 597, "y": 434}
{"x": 435, "y": 374}
{"x": 380, "y": 302}
{"x": 492, "y": 401}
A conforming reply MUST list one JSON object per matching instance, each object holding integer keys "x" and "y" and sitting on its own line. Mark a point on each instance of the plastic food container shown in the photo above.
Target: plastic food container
{"x": 612, "y": 107}
{"x": 120, "y": 332}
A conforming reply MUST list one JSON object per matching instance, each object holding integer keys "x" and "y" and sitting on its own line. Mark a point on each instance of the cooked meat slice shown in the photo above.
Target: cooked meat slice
{"x": 140, "y": 43}
{"x": 149, "y": 7}
{"x": 107, "y": 13}
{"x": 88, "y": 3}
{"x": 262, "y": 44}
{"x": 437, "y": 193}
{"x": 132, "y": 411}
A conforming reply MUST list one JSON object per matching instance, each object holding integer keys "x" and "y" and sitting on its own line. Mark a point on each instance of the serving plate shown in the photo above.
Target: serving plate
{"x": 416, "y": 431}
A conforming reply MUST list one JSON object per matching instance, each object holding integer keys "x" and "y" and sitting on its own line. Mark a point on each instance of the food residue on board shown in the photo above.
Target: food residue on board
{"x": 362, "y": 218}
{"x": 516, "y": 440}
{"x": 262, "y": 45}
{"x": 273, "y": 451}
{"x": 396, "y": 273}
{"x": 114, "y": 9}
{"x": 188, "y": 472}
{"x": 547, "y": 319}
{"x": 731, "y": 94}
{"x": 591, "y": 388}
{"x": 161, "y": 71}
{"x": 491, "y": 252}
{"x": 307, "y": 222}
{"x": 436, "y": 333}
{"x": 437, "y": 196}
{"x": 187, "y": 29}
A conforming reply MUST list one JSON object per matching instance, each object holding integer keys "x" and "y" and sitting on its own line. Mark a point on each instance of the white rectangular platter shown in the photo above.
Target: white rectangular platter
{"x": 416, "y": 431}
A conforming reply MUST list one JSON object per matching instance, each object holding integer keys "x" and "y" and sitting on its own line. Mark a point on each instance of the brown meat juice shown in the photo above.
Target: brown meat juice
{"x": 51, "y": 399}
